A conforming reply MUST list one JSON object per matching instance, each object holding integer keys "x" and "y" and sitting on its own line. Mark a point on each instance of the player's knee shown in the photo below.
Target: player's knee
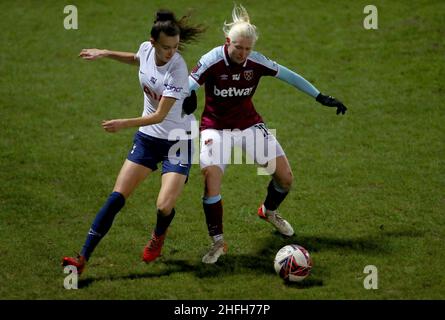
{"x": 125, "y": 193}
{"x": 211, "y": 190}
{"x": 165, "y": 207}
{"x": 207, "y": 173}
{"x": 285, "y": 182}
{"x": 212, "y": 181}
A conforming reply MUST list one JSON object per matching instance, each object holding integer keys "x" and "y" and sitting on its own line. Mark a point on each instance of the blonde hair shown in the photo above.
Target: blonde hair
{"x": 240, "y": 26}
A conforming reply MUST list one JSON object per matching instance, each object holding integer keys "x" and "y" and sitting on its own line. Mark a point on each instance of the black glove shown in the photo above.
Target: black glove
{"x": 190, "y": 103}
{"x": 331, "y": 102}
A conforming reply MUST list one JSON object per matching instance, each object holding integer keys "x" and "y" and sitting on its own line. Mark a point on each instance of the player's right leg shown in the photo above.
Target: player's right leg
{"x": 214, "y": 156}
{"x": 131, "y": 174}
{"x": 213, "y": 210}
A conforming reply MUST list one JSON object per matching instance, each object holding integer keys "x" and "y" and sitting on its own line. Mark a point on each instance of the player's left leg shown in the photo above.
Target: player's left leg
{"x": 280, "y": 184}
{"x": 174, "y": 176}
{"x": 267, "y": 152}
{"x": 277, "y": 191}
{"x": 171, "y": 188}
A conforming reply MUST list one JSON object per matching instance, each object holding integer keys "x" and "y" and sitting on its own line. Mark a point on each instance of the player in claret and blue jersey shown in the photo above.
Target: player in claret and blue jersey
{"x": 230, "y": 74}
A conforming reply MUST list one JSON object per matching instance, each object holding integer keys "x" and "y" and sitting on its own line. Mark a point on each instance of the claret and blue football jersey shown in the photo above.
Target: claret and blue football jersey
{"x": 229, "y": 88}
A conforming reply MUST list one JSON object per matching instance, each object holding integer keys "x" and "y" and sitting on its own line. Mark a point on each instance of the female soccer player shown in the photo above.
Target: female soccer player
{"x": 163, "y": 76}
{"x": 231, "y": 74}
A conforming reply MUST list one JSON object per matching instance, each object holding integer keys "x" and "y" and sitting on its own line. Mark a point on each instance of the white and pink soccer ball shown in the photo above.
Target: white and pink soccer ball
{"x": 293, "y": 263}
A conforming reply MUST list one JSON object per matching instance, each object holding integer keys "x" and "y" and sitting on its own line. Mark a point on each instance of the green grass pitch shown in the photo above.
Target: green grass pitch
{"x": 369, "y": 186}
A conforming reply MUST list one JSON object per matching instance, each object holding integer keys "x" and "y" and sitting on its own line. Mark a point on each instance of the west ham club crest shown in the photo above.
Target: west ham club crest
{"x": 248, "y": 75}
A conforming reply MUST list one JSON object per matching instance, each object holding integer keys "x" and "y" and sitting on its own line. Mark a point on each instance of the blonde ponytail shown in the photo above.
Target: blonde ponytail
{"x": 240, "y": 26}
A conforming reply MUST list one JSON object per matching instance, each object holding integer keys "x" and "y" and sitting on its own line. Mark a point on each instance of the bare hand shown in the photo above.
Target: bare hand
{"x": 91, "y": 54}
{"x": 113, "y": 125}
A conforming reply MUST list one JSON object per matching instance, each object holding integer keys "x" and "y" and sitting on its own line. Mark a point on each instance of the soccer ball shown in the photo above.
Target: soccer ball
{"x": 293, "y": 263}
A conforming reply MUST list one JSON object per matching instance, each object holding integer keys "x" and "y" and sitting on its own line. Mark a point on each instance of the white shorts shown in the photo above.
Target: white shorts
{"x": 257, "y": 142}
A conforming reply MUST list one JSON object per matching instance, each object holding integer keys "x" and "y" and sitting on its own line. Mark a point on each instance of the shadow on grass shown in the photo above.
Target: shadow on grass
{"x": 261, "y": 262}
{"x": 372, "y": 243}
{"x": 172, "y": 266}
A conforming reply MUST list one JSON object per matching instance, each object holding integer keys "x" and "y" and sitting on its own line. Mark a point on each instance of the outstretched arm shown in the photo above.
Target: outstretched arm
{"x": 125, "y": 57}
{"x": 301, "y": 83}
{"x": 297, "y": 81}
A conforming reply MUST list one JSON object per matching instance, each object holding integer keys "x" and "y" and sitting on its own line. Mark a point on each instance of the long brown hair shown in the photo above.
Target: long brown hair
{"x": 165, "y": 21}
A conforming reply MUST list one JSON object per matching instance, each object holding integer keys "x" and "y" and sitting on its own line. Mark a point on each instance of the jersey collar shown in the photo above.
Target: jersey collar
{"x": 227, "y": 60}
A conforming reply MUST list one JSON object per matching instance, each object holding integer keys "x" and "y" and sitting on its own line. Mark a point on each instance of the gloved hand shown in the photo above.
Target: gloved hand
{"x": 190, "y": 103}
{"x": 329, "y": 101}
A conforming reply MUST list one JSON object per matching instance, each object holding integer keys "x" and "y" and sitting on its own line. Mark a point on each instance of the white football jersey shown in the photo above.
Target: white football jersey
{"x": 169, "y": 80}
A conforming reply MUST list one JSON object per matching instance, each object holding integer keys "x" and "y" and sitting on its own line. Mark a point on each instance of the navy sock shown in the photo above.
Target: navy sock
{"x": 163, "y": 222}
{"x": 274, "y": 197}
{"x": 102, "y": 223}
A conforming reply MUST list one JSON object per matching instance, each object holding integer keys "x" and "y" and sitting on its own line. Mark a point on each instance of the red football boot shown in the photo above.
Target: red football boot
{"x": 153, "y": 248}
{"x": 78, "y": 262}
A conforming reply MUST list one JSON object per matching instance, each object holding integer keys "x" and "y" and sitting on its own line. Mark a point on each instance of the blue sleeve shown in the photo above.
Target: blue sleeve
{"x": 297, "y": 81}
{"x": 193, "y": 85}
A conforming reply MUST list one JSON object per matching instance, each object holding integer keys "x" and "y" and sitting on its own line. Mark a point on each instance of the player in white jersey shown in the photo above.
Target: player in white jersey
{"x": 164, "y": 134}
{"x": 230, "y": 75}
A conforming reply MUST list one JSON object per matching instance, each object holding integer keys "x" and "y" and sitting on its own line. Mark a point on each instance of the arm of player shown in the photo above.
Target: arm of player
{"x": 301, "y": 83}
{"x": 329, "y": 101}
{"x": 193, "y": 85}
{"x": 163, "y": 109}
{"x": 297, "y": 81}
{"x": 94, "y": 54}
{"x": 190, "y": 103}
